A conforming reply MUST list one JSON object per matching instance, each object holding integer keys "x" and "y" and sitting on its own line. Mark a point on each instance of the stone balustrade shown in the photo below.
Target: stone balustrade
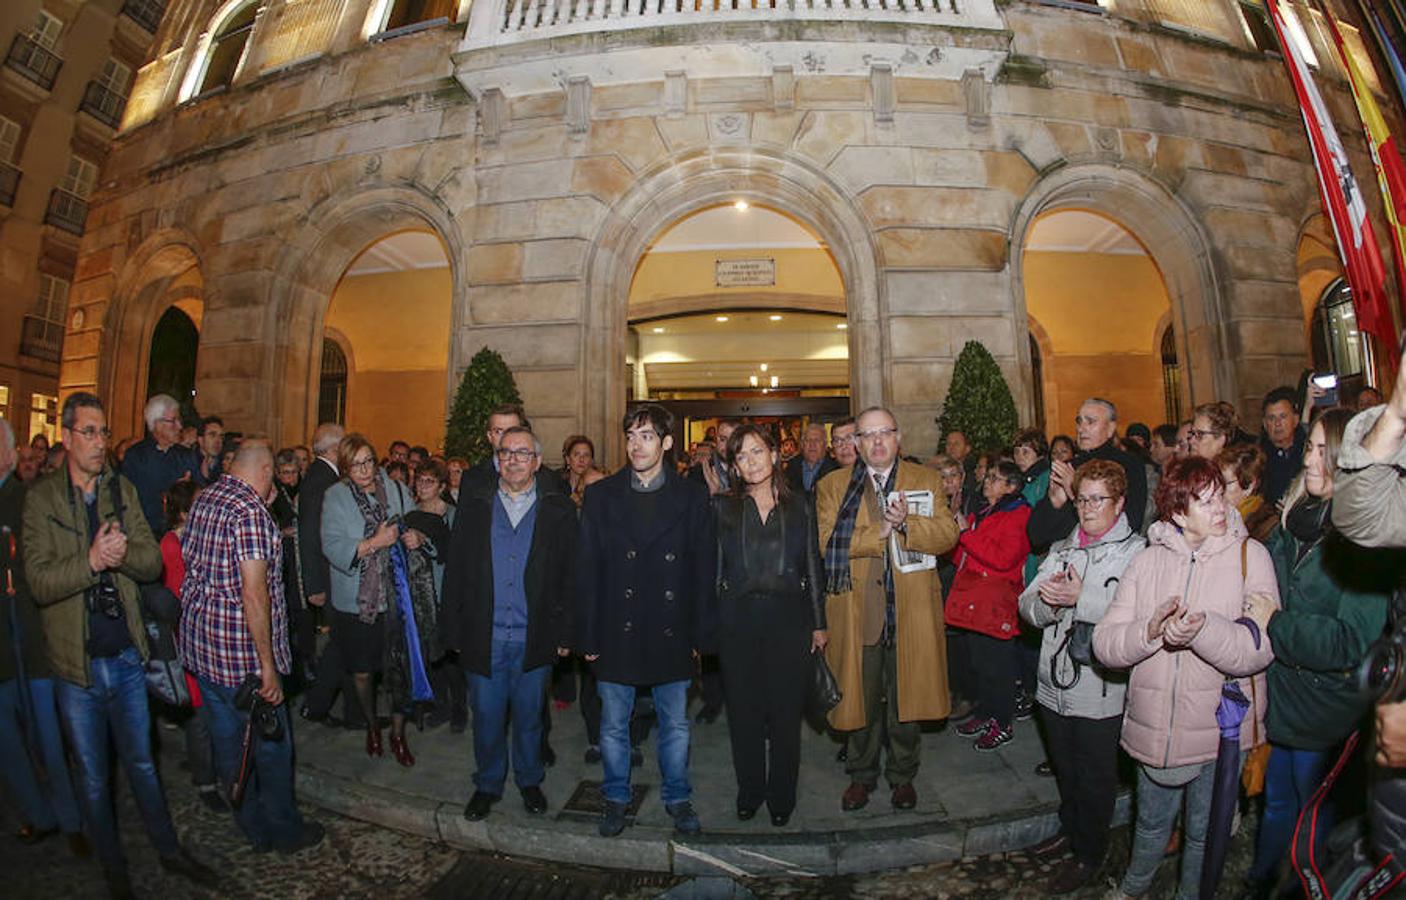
{"x": 500, "y": 22}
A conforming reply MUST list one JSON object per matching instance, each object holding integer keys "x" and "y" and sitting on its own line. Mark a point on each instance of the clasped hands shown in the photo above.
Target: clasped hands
{"x": 1176, "y": 625}
{"x": 108, "y": 549}
{"x": 1062, "y": 588}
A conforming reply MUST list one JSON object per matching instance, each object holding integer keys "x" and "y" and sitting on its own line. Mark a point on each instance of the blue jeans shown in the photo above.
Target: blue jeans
{"x": 670, "y": 703}
{"x": 1157, "y": 808}
{"x": 268, "y": 816}
{"x": 56, "y": 807}
{"x": 508, "y": 694}
{"x": 115, "y": 702}
{"x": 1289, "y": 782}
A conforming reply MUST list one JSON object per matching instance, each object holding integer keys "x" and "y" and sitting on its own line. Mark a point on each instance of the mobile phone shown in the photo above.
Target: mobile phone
{"x": 1328, "y": 383}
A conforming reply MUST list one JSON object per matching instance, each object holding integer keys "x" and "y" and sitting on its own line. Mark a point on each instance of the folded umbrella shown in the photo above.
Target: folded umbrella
{"x": 1226, "y": 794}
{"x": 246, "y": 764}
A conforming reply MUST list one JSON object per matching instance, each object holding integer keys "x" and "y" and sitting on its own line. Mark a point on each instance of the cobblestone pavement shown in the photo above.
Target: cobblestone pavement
{"x": 359, "y": 860}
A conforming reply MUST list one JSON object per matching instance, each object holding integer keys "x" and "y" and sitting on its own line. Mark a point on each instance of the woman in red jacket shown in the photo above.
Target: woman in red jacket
{"x": 985, "y": 597}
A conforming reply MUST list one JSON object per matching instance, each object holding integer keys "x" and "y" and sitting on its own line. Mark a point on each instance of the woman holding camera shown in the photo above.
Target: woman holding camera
{"x": 1176, "y": 622}
{"x": 1081, "y": 702}
{"x": 361, "y": 517}
{"x": 772, "y": 616}
{"x": 1335, "y": 598}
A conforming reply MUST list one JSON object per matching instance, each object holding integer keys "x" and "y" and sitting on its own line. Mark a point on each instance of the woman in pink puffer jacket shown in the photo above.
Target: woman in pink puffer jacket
{"x": 1174, "y": 623}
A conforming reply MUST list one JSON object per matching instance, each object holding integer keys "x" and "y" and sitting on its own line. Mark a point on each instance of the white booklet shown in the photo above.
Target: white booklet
{"x": 919, "y": 504}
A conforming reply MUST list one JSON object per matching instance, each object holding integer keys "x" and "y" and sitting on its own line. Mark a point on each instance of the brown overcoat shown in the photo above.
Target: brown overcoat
{"x": 922, "y": 638}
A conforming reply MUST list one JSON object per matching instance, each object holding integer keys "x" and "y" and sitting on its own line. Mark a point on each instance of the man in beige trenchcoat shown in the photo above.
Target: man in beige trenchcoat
{"x": 886, "y": 631}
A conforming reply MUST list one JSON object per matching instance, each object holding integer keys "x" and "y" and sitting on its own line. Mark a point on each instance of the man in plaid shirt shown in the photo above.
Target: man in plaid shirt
{"x": 234, "y": 622}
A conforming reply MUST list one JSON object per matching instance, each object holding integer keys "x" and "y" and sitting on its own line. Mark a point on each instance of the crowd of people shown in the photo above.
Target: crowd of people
{"x": 1116, "y": 584}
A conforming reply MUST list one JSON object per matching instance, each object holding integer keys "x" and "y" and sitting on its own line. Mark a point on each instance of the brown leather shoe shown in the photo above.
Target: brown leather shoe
{"x": 1051, "y": 847}
{"x": 856, "y": 796}
{"x": 905, "y": 796}
{"x": 1071, "y": 876}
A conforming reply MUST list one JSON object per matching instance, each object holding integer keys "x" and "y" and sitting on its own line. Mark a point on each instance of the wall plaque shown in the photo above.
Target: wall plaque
{"x": 745, "y": 272}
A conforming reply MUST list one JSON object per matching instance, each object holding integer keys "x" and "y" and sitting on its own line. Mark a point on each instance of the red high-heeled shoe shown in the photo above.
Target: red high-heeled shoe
{"x": 401, "y": 751}
{"x": 373, "y": 741}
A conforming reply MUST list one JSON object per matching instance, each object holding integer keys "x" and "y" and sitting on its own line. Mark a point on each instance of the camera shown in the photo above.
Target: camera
{"x": 1382, "y": 675}
{"x": 262, "y": 714}
{"x": 104, "y": 597}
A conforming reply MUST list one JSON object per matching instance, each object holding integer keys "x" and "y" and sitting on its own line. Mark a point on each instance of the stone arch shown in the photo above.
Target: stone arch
{"x": 155, "y": 278}
{"x": 694, "y": 180}
{"x": 1175, "y": 240}
{"x": 313, "y": 260}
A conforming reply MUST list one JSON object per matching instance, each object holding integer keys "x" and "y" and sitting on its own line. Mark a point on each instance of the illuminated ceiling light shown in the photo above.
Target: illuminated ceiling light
{"x": 741, "y": 205}
{"x": 753, "y": 379}
{"x": 720, "y": 319}
{"x": 763, "y": 367}
{"x": 842, "y": 326}
{"x": 658, "y": 329}
{"x": 775, "y": 381}
{"x": 774, "y": 317}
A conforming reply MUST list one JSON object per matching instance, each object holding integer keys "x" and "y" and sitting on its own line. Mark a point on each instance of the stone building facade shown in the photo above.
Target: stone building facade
{"x": 546, "y": 142}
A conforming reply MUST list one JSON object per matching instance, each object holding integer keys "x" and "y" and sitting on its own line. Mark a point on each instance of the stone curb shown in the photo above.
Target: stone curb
{"x": 817, "y": 853}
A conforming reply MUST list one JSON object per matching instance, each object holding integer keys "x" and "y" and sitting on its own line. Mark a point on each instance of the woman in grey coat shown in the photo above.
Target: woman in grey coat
{"x": 361, "y": 520}
{"x": 1081, "y": 703}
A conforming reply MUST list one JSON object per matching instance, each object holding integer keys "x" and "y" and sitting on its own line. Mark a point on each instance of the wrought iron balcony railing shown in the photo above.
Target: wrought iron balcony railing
{"x": 41, "y": 338}
{"x": 103, "y": 103}
{"x": 33, "y": 61}
{"x": 67, "y": 211}
{"x": 146, "y": 13}
{"x": 9, "y": 183}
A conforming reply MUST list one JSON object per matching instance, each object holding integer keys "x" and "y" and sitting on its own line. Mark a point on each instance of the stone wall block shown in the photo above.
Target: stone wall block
{"x": 995, "y": 332}
{"x": 1227, "y": 160}
{"x": 636, "y": 141}
{"x": 494, "y": 263}
{"x": 831, "y": 90}
{"x": 523, "y": 346}
{"x": 917, "y": 206}
{"x": 944, "y": 248}
{"x": 683, "y": 131}
{"x": 602, "y": 177}
{"x": 823, "y": 134}
{"x": 374, "y": 134}
{"x": 96, "y": 261}
{"x": 637, "y": 98}
{"x": 1138, "y": 55}
{"x": 1240, "y": 226}
{"x": 920, "y": 337}
{"x": 547, "y": 301}
{"x": 519, "y": 144}
{"x": 550, "y": 105}
{"x": 568, "y": 217}
{"x": 938, "y": 293}
{"x": 1259, "y": 262}
{"x": 1266, "y": 337}
{"x": 1260, "y": 299}
{"x": 860, "y": 167}
{"x": 742, "y": 91}
{"x": 928, "y": 92}
{"x": 939, "y": 130}
{"x": 920, "y": 384}
{"x": 548, "y": 392}
{"x": 554, "y": 259}
{"x": 1214, "y": 189}
{"x": 949, "y": 168}
{"x": 528, "y": 181}
{"x": 777, "y": 129}
{"x": 1074, "y": 141}
{"x": 1076, "y": 43}
{"x": 1032, "y": 141}
{"x": 1009, "y": 172}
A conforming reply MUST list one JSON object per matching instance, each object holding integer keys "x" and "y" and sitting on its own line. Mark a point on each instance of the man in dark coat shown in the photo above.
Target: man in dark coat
{"x": 1096, "y": 427}
{"x": 646, "y": 607}
{"x": 483, "y": 477}
{"x": 331, "y": 675}
{"x": 156, "y": 463}
{"x": 806, "y": 468}
{"x": 1282, "y": 442}
{"x": 507, "y": 608}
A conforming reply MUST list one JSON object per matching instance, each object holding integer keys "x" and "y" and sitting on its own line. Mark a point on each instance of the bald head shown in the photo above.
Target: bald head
{"x": 253, "y": 465}
{"x": 326, "y": 438}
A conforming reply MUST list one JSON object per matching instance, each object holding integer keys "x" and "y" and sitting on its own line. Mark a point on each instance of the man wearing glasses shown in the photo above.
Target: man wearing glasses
{"x": 1096, "y": 430}
{"x": 86, "y": 547}
{"x": 510, "y": 622}
{"x": 843, "y": 442}
{"x": 883, "y": 621}
{"x": 159, "y": 461}
{"x": 483, "y": 478}
{"x": 646, "y": 607}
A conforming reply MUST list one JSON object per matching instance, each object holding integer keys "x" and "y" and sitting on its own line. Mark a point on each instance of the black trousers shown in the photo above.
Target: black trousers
{"x": 710, "y": 681}
{"x": 993, "y": 666}
{"x": 331, "y": 678}
{"x": 451, "y": 686}
{"x": 960, "y": 679}
{"x": 1084, "y": 753}
{"x": 764, "y": 665}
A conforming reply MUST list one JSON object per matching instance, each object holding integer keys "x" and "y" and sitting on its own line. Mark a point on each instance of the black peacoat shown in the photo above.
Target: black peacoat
{"x": 646, "y": 594}
{"x": 466, "y": 610}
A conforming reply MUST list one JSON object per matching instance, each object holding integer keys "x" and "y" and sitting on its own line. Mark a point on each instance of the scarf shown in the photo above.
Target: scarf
{"x": 837, "y": 574}
{"x": 1307, "y": 521}
{"x": 374, "y": 586}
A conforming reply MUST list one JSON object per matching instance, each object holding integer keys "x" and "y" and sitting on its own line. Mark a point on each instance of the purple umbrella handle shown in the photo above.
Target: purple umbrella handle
{"x": 1254, "y": 629}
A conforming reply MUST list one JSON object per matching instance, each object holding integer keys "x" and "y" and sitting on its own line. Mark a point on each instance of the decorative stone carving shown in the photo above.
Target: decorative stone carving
{"x": 492, "y": 115}
{"x": 578, "y": 105}
{"x": 881, "y": 84}
{"x": 783, "y": 87}
{"x": 675, "y": 94}
{"x": 977, "y": 95}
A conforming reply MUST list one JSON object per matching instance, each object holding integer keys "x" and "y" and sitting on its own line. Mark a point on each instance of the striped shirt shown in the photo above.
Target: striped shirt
{"x": 229, "y": 524}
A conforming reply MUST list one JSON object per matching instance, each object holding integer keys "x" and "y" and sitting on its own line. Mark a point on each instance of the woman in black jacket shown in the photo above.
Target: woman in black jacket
{"x": 772, "y": 615}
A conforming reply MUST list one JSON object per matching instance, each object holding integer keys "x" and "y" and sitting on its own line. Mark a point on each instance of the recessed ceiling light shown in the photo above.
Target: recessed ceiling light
{"x": 775, "y": 381}
{"x": 753, "y": 380}
{"x": 720, "y": 318}
{"x": 741, "y": 205}
{"x": 658, "y": 329}
{"x": 842, "y": 326}
{"x": 774, "y": 318}
{"x": 763, "y": 367}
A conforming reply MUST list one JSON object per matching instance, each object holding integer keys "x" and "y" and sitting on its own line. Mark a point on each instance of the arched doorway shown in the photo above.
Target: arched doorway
{"x": 171, "y": 362}
{"x": 1100, "y": 299}
{"x": 738, "y": 310}
{"x": 390, "y": 313}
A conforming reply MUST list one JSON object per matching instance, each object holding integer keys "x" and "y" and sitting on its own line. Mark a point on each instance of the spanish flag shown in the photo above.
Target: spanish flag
{"x": 1391, "y": 179}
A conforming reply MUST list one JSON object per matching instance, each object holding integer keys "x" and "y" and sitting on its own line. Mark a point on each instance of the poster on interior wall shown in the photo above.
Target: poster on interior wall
{"x": 745, "y": 272}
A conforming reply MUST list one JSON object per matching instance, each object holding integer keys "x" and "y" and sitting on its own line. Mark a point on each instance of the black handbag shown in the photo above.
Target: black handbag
{"x": 824, "y": 693}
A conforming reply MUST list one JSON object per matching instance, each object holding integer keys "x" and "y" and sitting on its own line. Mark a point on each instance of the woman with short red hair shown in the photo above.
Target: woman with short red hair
{"x": 1178, "y": 623}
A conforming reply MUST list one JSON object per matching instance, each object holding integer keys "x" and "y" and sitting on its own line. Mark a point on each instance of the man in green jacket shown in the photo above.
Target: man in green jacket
{"x": 86, "y": 547}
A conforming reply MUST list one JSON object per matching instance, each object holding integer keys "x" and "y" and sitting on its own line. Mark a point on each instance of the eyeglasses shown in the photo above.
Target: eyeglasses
{"x": 427, "y": 480}
{"x": 93, "y": 432}
{"x": 365, "y": 463}
{"x": 521, "y": 454}
{"x": 1093, "y": 502}
{"x": 874, "y": 434}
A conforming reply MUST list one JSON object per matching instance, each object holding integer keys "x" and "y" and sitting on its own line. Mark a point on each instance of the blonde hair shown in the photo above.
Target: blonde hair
{"x": 1334, "y": 423}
